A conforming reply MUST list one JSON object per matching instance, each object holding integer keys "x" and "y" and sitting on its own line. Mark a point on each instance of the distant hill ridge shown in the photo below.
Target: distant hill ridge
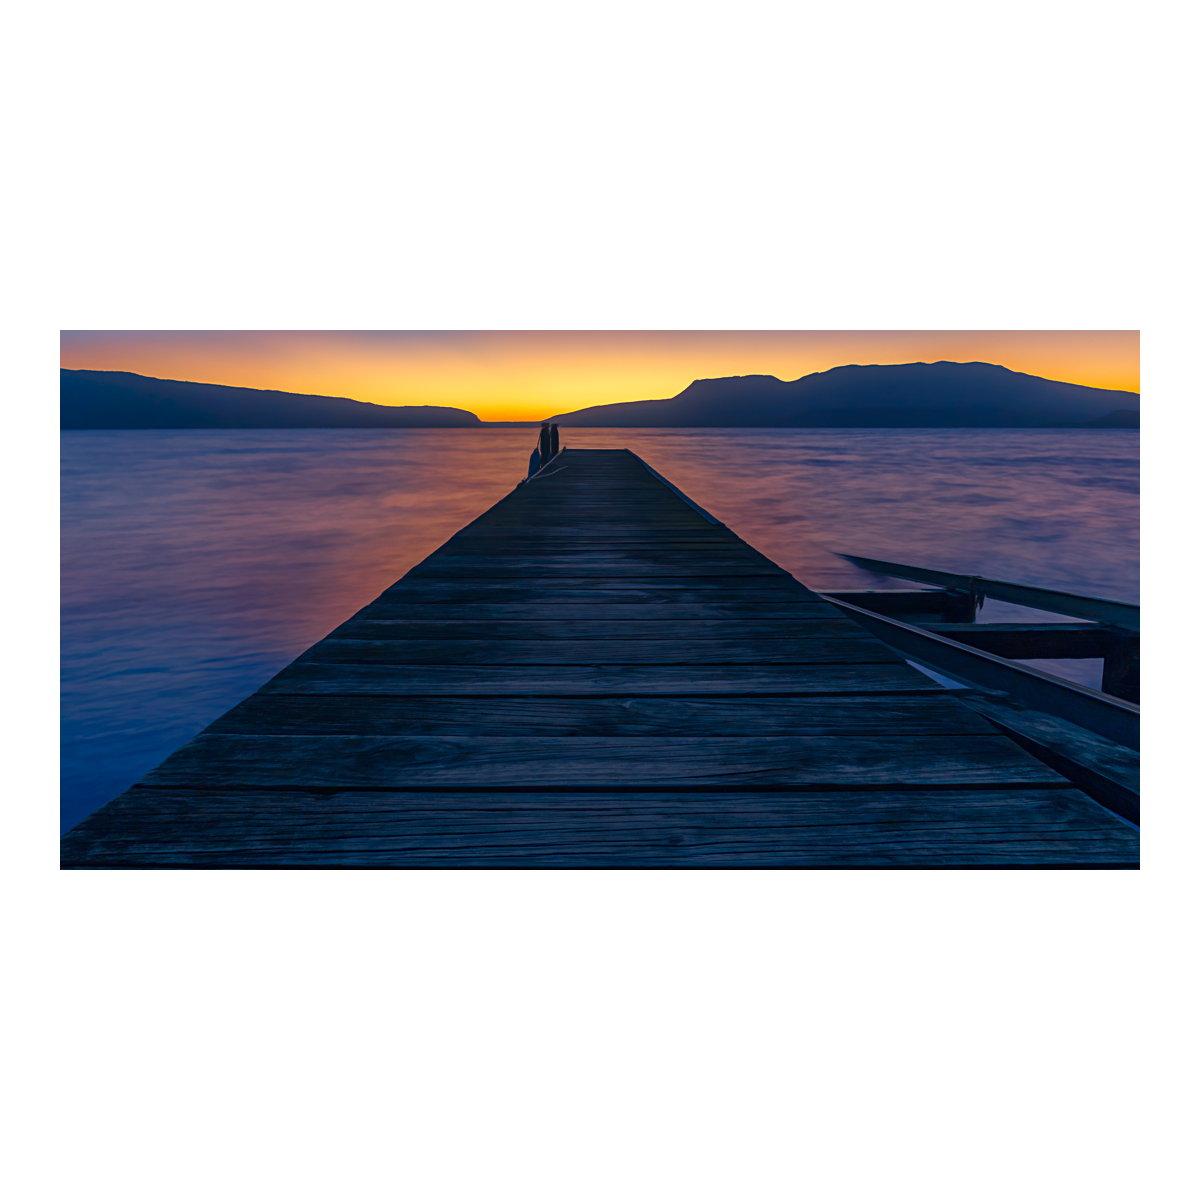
{"x": 123, "y": 400}
{"x": 905, "y": 395}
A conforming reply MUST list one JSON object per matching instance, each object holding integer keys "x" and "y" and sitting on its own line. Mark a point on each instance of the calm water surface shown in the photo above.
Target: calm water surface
{"x": 197, "y": 563}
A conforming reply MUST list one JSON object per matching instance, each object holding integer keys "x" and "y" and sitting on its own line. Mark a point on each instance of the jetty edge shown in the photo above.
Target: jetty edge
{"x": 596, "y": 673}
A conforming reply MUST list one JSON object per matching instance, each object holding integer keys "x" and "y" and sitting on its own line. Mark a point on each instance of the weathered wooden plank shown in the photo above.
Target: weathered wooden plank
{"x": 487, "y": 543}
{"x": 764, "y": 588}
{"x": 306, "y": 677}
{"x": 588, "y": 503}
{"x": 609, "y": 533}
{"x": 538, "y": 539}
{"x": 570, "y": 608}
{"x": 513, "y": 567}
{"x": 525, "y": 543}
{"x": 212, "y": 759}
{"x": 913, "y": 829}
{"x": 363, "y": 627}
{"x": 634, "y": 716}
{"x": 587, "y": 500}
{"x": 584, "y": 521}
{"x": 608, "y": 581}
{"x": 694, "y": 650}
{"x": 558, "y": 557}
{"x": 599, "y": 536}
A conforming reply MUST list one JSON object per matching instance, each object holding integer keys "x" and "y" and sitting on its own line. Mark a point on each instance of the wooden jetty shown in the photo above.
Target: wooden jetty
{"x": 595, "y": 673}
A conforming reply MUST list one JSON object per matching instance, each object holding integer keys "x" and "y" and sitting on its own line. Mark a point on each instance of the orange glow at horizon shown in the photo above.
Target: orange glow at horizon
{"x": 525, "y": 375}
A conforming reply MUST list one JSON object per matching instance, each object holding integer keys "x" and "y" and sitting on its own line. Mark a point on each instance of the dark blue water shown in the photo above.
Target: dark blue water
{"x": 197, "y": 563}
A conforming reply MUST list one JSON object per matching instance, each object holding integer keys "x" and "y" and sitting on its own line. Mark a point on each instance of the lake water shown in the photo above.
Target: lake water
{"x": 197, "y": 563}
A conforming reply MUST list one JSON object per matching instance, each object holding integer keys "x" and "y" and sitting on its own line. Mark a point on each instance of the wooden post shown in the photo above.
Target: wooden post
{"x": 544, "y": 444}
{"x": 553, "y": 440}
{"x": 1122, "y": 669}
{"x": 965, "y": 605}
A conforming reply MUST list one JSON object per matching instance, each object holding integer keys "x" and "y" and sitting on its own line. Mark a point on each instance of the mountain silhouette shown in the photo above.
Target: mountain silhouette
{"x": 123, "y": 400}
{"x": 907, "y": 395}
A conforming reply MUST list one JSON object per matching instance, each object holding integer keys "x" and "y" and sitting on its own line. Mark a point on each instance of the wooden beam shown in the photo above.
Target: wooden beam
{"x": 1088, "y": 608}
{"x": 897, "y": 602}
{"x": 1106, "y": 771}
{"x": 1105, "y": 715}
{"x": 1051, "y": 640}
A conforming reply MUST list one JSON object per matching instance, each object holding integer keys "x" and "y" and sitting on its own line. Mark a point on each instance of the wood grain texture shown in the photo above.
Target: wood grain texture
{"x": 165, "y": 828}
{"x": 678, "y": 651}
{"x": 571, "y": 608}
{"x": 781, "y": 589}
{"x": 592, "y": 675}
{"x": 308, "y": 677}
{"x": 1107, "y": 771}
{"x": 608, "y": 716}
{"x": 370, "y": 627}
{"x": 514, "y": 567}
{"x": 212, "y": 759}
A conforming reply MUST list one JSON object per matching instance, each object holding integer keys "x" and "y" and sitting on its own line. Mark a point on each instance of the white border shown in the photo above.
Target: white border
{"x": 841, "y": 1034}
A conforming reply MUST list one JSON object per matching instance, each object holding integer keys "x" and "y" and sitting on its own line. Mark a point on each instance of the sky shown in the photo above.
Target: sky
{"x": 528, "y": 374}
